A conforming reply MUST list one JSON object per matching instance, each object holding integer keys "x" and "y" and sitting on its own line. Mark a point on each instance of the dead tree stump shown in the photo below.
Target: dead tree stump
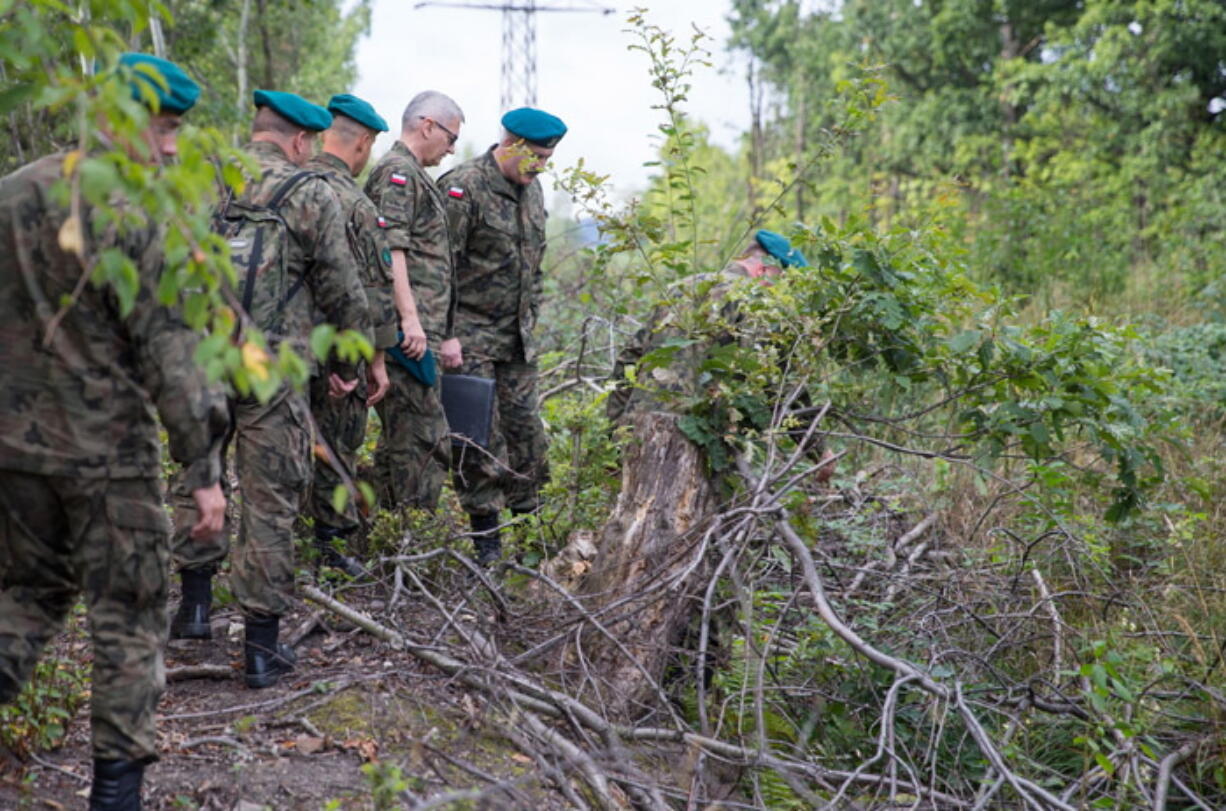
{"x": 645, "y": 573}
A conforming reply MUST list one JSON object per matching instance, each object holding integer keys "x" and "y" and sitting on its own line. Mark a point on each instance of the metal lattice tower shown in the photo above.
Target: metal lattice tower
{"x": 518, "y": 56}
{"x": 519, "y": 43}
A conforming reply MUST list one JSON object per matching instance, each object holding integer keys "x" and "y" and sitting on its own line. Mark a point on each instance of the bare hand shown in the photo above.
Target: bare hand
{"x": 414, "y": 343}
{"x": 450, "y": 354}
{"x": 338, "y": 387}
{"x": 377, "y": 383}
{"x": 210, "y": 511}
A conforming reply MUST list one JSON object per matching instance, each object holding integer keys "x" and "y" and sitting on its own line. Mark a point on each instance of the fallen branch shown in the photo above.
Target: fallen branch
{"x": 187, "y": 672}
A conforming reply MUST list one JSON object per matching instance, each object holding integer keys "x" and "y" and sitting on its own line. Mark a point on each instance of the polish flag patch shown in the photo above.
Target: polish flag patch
{"x": 398, "y": 179}
{"x": 456, "y": 192}
{"x": 382, "y": 221}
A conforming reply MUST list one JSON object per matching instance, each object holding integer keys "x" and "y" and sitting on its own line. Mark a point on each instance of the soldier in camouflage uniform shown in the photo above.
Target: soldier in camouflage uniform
{"x": 496, "y": 215}
{"x": 80, "y": 502}
{"x": 272, "y": 440}
{"x": 413, "y": 453}
{"x": 341, "y": 418}
{"x": 700, "y": 302}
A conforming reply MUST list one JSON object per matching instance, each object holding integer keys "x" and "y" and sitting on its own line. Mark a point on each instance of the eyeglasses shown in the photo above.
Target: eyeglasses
{"x": 451, "y": 136}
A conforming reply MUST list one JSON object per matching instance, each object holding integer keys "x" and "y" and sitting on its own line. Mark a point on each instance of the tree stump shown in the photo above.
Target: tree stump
{"x": 644, "y": 571}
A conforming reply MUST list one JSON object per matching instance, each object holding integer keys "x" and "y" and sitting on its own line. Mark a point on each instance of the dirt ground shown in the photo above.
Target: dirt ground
{"x": 356, "y": 721}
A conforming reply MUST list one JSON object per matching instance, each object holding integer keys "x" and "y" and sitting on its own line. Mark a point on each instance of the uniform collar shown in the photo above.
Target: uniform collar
{"x": 398, "y": 148}
{"x": 268, "y": 149}
{"x": 498, "y": 181}
{"x": 333, "y": 162}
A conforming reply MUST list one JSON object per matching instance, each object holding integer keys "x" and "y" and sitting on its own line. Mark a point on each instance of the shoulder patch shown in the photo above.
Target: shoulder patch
{"x": 386, "y": 256}
{"x": 381, "y": 221}
{"x": 398, "y": 179}
{"x": 456, "y": 192}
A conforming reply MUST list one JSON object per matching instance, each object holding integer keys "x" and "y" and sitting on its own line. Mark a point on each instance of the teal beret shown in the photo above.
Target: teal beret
{"x": 357, "y": 109}
{"x": 535, "y": 126}
{"x": 177, "y": 95}
{"x": 294, "y": 109}
{"x": 778, "y": 246}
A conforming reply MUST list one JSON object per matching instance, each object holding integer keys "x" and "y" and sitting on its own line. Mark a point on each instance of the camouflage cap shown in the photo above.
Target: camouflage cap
{"x": 535, "y": 126}
{"x": 358, "y": 109}
{"x": 295, "y": 109}
{"x": 153, "y": 79}
{"x": 778, "y": 246}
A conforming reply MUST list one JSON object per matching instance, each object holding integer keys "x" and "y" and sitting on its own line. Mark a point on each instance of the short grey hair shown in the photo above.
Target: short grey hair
{"x": 430, "y": 104}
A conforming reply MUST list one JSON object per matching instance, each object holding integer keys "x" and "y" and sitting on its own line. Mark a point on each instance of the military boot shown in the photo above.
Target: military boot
{"x": 9, "y": 689}
{"x": 116, "y": 785}
{"x": 486, "y": 540}
{"x": 191, "y": 621}
{"x": 329, "y": 556}
{"x": 266, "y": 658}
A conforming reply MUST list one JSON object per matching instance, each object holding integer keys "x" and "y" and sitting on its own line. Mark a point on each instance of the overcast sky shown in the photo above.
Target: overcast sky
{"x": 585, "y": 75}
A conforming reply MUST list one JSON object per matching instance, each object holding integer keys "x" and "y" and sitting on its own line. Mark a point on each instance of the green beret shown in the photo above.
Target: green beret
{"x": 778, "y": 246}
{"x": 294, "y": 109}
{"x": 357, "y": 109}
{"x": 535, "y": 126}
{"x": 153, "y": 77}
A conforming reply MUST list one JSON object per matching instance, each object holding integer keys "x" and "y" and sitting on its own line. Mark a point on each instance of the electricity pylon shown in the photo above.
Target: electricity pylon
{"x": 519, "y": 42}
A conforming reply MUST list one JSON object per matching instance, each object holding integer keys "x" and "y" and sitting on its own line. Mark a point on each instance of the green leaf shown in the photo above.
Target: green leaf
{"x": 322, "y": 338}
{"x": 12, "y": 97}
{"x": 963, "y": 341}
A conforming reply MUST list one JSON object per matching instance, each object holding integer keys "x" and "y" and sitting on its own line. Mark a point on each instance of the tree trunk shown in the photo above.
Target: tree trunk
{"x": 644, "y": 572}
{"x": 240, "y": 55}
{"x": 266, "y": 42}
{"x": 757, "y": 139}
{"x": 800, "y": 146}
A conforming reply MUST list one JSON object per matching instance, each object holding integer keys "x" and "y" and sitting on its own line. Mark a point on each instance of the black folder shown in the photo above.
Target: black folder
{"x": 469, "y": 405}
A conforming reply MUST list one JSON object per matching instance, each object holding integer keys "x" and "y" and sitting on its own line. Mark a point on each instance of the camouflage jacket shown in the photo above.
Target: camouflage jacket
{"x": 321, "y": 266}
{"x": 365, "y": 229}
{"x": 693, "y": 303}
{"x": 82, "y": 404}
{"x": 498, "y": 235}
{"x": 417, "y": 225}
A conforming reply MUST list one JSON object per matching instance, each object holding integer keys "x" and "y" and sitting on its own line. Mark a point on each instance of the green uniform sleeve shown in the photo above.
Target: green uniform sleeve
{"x": 372, "y": 250}
{"x": 397, "y": 202}
{"x": 193, "y": 412}
{"x": 333, "y": 278}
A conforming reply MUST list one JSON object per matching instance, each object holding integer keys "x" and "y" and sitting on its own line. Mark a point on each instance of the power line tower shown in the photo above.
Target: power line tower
{"x": 519, "y": 42}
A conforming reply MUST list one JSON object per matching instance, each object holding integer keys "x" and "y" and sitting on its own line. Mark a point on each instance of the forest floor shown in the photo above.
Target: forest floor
{"x": 356, "y": 721}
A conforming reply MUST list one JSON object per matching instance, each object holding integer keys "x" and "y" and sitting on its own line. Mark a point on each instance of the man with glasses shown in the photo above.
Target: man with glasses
{"x": 496, "y": 212}
{"x": 413, "y": 451}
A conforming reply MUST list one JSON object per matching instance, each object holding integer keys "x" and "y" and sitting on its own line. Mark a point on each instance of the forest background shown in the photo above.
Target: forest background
{"x": 1011, "y": 335}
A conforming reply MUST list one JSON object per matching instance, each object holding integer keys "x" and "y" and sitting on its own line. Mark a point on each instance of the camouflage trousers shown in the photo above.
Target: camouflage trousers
{"x": 515, "y": 467}
{"x": 272, "y": 460}
{"x": 414, "y": 449}
{"x": 342, "y": 427}
{"x": 105, "y": 540}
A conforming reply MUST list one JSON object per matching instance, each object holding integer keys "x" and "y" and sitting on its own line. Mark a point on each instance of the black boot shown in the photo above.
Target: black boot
{"x": 486, "y": 539}
{"x": 328, "y": 556}
{"x": 266, "y": 658}
{"x": 191, "y": 621}
{"x": 116, "y": 785}
{"x": 9, "y": 689}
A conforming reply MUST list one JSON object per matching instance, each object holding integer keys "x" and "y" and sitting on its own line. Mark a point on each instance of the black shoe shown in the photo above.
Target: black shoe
{"x": 9, "y": 689}
{"x": 266, "y": 658}
{"x": 486, "y": 540}
{"x": 191, "y": 621}
{"x": 329, "y": 556}
{"x": 116, "y": 785}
